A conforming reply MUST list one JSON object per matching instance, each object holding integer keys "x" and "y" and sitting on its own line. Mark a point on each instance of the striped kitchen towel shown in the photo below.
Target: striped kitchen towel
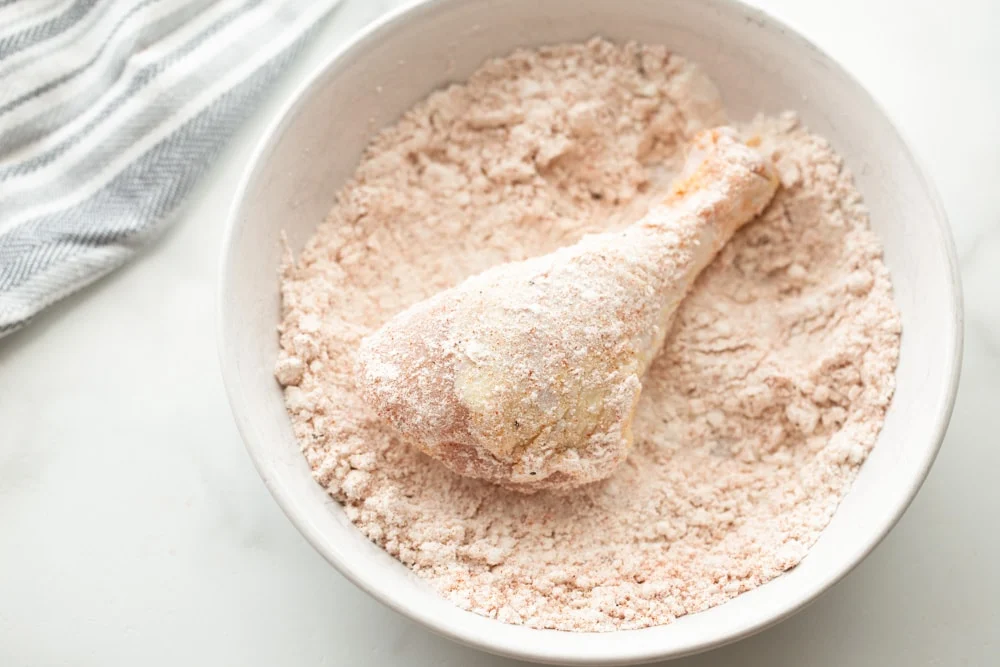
{"x": 110, "y": 110}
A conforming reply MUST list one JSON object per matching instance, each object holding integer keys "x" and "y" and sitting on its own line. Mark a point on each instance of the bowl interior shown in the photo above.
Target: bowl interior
{"x": 759, "y": 65}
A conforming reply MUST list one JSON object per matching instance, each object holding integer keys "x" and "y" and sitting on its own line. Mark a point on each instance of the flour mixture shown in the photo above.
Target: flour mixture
{"x": 768, "y": 395}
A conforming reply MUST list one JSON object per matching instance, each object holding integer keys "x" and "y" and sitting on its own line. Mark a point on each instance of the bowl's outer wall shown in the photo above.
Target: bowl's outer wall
{"x": 760, "y": 66}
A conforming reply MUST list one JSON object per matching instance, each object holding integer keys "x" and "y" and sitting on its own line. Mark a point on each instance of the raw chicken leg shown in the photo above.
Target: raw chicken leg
{"x": 527, "y": 375}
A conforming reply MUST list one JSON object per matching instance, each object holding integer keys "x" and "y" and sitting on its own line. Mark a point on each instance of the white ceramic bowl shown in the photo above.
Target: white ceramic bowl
{"x": 759, "y": 65}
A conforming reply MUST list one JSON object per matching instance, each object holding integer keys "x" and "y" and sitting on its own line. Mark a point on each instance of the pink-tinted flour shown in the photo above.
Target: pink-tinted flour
{"x": 753, "y": 421}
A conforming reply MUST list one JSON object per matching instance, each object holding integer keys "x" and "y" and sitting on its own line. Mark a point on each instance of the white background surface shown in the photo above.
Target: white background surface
{"x": 134, "y": 530}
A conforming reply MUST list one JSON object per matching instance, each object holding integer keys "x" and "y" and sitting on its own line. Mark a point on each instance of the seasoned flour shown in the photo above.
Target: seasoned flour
{"x": 767, "y": 397}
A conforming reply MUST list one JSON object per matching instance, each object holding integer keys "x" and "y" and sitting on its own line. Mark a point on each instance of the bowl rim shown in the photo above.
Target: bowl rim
{"x": 638, "y": 652}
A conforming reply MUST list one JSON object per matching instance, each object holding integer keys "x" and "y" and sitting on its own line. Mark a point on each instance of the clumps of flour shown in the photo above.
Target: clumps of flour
{"x": 769, "y": 393}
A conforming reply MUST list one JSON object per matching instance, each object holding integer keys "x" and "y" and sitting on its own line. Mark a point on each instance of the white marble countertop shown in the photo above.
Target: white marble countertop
{"x": 134, "y": 530}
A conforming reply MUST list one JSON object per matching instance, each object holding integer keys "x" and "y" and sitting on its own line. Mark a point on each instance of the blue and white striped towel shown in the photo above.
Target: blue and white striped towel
{"x": 110, "y": 110}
